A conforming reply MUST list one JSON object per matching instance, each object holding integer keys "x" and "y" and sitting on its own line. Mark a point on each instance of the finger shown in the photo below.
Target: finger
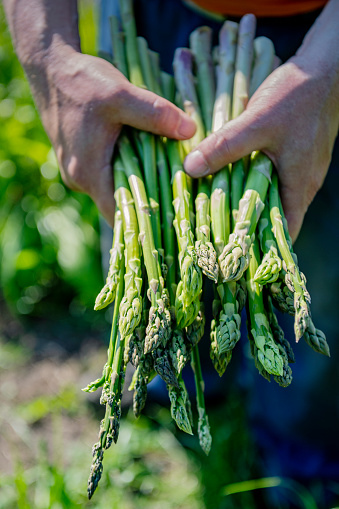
{"x": 236, "y": 139}
{"x": 294, "y": 209}
{"x": 147, "y": 111}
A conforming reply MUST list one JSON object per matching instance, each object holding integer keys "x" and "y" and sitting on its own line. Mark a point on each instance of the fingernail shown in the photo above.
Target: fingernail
{"x": 195, "y": 164}
{"x": 186, "y": 128}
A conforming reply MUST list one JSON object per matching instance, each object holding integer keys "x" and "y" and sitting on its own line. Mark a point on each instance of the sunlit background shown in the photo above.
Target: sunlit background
{"x": 52, "y": 344}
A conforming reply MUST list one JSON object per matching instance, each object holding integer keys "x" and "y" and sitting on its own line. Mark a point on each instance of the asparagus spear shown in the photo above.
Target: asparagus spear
{"x": 278, "y": 333}
{"x": 263, "y": 62}
{"x": 109, "y": 427}
{"x": 271, "y": 264}
{"x": 293, "y": 278}
{"x": 108, "y": 292}
{"x": 235, "y": 257}
{"x": 131, "y": 304}
{"x": 183, "y": 62}
{"x": 243, "y": 65}
{"x": 190, "y": 285}
{"x": 181, "y": 406}
{"x": 118, "y": 45}
{"x": 315, "y": 338}
{"x": 131, "y": 45}
{"x": 268, "y": 352}
{"x": 201, "y": 47}
{"x": 222, "y": 108}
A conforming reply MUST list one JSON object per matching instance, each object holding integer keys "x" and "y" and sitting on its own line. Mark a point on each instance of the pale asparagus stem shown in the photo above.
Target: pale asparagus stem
{"x": 184, "y": 80}
{"x": 205, "y": 438}
{"x": 263, "y": 62}
{"x": 201, "y": 47}
{"x": 108, "y": 292}
{"x": 268, "y": 352}
{"x": 235, "y": 257}
{"x": 159, "y": 327}
{"x": 189, "y": 288}
{"x": 131, "y": 304}
{"x": 118, "y": 46}
{"x": 271, "y": 263}
{"x": 112, "y": 365}
{"x": 293, "y": 279}
{"x": 225, "y": 74}
{"x": 131, "y": 46}
{"x": 243, "y": 64}
{"x": 181, "y": 406}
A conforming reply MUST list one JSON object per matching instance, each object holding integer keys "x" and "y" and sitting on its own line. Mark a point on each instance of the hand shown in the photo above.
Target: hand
{"x": 84, "y": 101}
{"x": 293, "y": 118}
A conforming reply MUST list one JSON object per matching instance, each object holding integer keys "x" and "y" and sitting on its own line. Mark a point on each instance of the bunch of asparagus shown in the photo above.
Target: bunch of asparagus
{"x": 171, "y": 232}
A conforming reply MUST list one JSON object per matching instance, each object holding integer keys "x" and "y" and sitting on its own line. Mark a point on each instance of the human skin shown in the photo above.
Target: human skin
{"x": 293, "y": 118}
{"x": 83, "y": 101}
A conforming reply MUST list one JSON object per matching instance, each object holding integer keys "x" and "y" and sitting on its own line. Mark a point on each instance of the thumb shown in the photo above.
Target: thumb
{"x": 235, "y": 140}
{"x": 150, "y": 112}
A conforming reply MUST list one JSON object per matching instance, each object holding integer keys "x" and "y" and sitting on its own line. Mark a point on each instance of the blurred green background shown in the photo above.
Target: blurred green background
{"x": 52, "y": 344}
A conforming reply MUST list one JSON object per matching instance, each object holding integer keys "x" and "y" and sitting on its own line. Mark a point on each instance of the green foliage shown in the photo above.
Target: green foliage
{"x": 49, "y": 243}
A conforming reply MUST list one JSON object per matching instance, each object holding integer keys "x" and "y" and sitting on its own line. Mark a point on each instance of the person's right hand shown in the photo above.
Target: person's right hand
{"x": 84, "y": 101}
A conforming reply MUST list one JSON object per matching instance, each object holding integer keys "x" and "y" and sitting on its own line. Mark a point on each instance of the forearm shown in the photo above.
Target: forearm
{"x": 39, "y": 26}
{"x": 318, "y": 55}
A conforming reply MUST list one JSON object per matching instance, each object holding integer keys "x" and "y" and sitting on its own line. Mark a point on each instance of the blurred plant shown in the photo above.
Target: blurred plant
{"x": 49, "y": 242}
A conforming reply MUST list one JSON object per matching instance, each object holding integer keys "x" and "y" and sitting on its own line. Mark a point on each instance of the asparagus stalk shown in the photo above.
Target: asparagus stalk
{"x": 131, "y": 45}
{"x": 108, "y": 292}
{"x": 271, "y": 264}
{"x": 259, "y": 328}
{"x": 181, "y": 406}
{"x": 243, "y": 65}
{"x": 293, "y": 278}
{"x": 189, "y": 288}
{"x": 222, "y": 109}
{"x": 183, "y": 62}
{"x": 201, "y": 47}
{"x": 118, "y": 46}
{"x": 263, "y": 62}
{"x": 235, "y": 257}
{"x": 111, "y": 396}
{"x": 278, "y": 333}
{"x": 159, "y": 327}
{"x": 315, "y": 338}
{"x": 131, "y": 304}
